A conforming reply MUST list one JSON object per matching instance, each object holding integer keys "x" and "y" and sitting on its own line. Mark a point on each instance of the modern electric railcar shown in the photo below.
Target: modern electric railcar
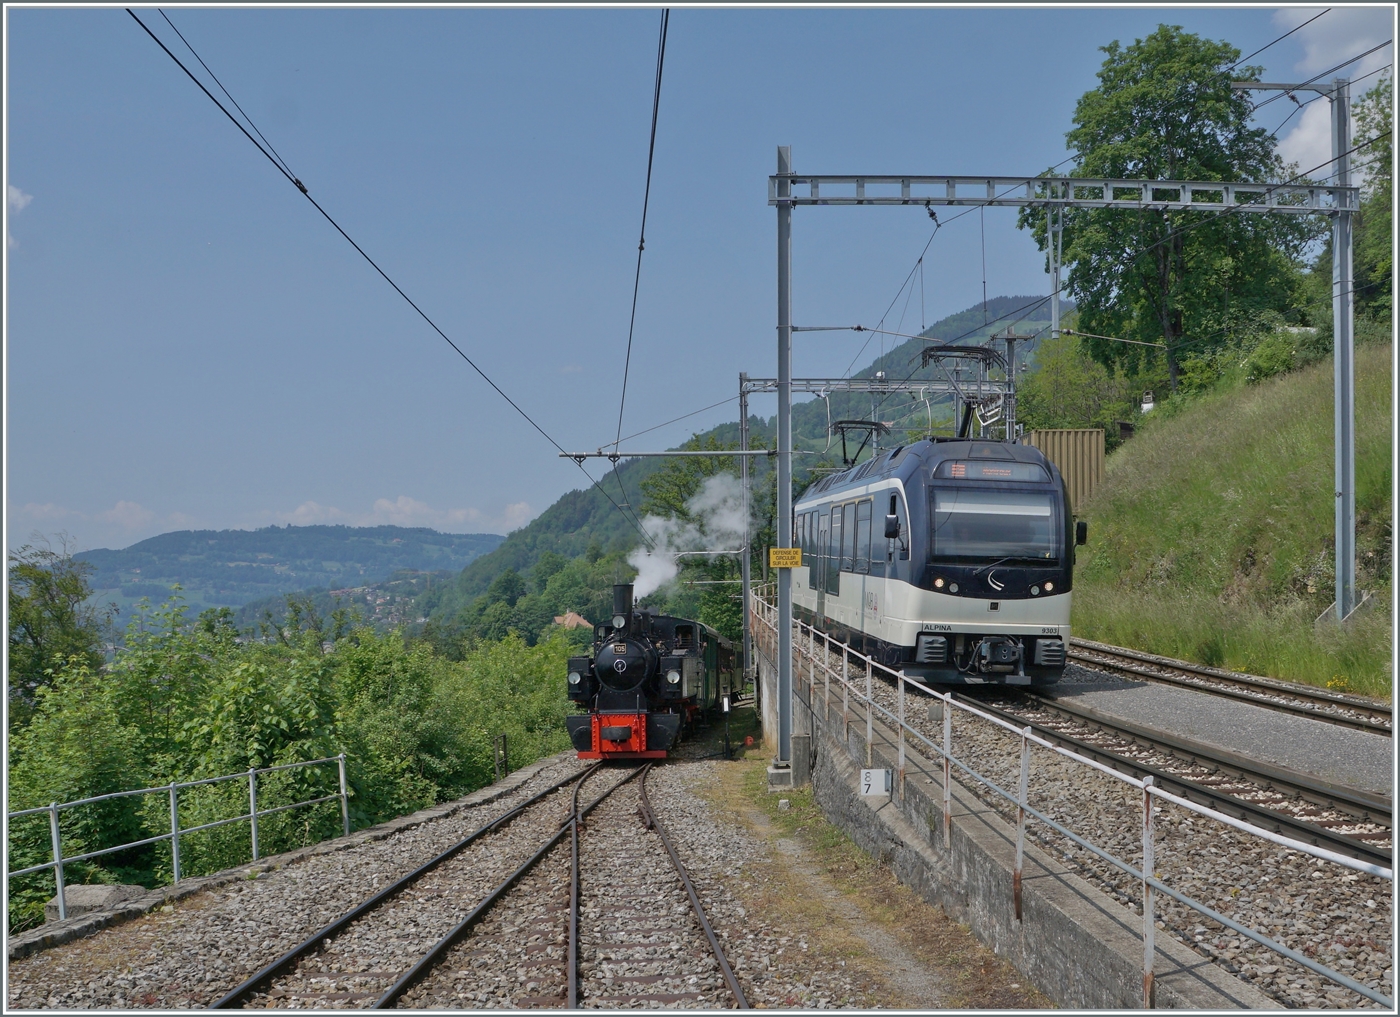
{"x": 649, "y": 678}
{"x": 951, "y": 559}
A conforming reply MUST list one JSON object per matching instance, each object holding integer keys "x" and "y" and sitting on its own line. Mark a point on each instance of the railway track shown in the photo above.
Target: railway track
{"x": 499, "y": 925}
{"x": 1342, "y": 819}
{"x": 1324, "y": 705}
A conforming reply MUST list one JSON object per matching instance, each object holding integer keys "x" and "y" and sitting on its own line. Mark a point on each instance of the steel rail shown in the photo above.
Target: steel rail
{"x": 1307, "y": 702}
{"x": 653, "y": 823}
{"x": 1374, "y": 808}
{"x": 415, "y": 974}
{"x": 281, "y": 965}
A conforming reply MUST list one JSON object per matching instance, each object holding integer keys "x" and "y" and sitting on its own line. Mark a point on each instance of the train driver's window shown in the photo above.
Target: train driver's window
{"x": 900, "y": 543}
{"x": 863, "y": 512}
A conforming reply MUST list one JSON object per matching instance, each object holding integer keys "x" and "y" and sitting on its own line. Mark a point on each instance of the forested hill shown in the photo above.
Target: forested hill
{"x": 232, "y": 567}
{"x": 580, "y": 518}
{"x": 585, "y": 516}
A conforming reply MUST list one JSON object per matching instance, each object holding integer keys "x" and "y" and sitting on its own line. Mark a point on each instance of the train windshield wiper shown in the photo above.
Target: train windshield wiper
{"x": 1014, "y": 557}
{"x": 984, "y": 568}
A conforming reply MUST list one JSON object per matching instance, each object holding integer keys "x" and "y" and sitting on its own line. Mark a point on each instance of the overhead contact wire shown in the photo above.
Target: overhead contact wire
{"x": 646, "y": 200}
{"x": 350, "y": 240}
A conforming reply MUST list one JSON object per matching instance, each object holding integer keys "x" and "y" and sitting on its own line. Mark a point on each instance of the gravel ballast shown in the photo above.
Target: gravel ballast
{"x": 1337, "y": 916}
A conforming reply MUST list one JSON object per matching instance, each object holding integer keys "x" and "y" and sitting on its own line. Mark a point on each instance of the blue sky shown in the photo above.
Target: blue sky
{"x": 190, "y": 345}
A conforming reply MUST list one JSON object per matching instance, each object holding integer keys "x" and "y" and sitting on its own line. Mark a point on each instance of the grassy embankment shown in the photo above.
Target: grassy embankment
{"x": 1212, "y": 536}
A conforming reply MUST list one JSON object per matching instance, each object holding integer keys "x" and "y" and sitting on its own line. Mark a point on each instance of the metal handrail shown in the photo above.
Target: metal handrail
{"x": 765, "y": 613}
{"x": 176, "y": 831}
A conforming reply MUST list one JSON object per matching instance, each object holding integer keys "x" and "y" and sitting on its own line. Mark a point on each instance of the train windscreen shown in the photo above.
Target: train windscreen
{"x": 983, "y": 524}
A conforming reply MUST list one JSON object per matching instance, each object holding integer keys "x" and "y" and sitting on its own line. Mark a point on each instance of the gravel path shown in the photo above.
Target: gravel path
{"x": 1335, "y": 915}
{"x": 192, "y": 953}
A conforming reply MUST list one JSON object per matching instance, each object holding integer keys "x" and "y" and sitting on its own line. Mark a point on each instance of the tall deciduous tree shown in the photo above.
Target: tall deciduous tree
{"x": 1374, "y": 256}
{"x": 1164, "y": 110}
{"x": 49, "y": 620}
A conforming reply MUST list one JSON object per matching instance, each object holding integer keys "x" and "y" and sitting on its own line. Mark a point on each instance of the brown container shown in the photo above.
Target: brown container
{"x": 1078, "y": 452}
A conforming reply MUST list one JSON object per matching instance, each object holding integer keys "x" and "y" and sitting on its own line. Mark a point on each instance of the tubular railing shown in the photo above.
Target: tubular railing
{"x": 173, "y": 790}
{"x": 765, "y": 635}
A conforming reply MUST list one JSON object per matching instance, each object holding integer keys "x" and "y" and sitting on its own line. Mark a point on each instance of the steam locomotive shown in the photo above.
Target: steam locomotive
{"x": 950, "y": 559}
{"x": 649, "y": 679}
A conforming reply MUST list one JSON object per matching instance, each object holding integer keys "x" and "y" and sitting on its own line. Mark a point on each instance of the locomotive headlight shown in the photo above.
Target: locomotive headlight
{"x": 1049, "y": 587}
{"x": 619, "y": 621}
{"x": 938, "y": 583}
{"x": 674, "y": 677}
{"x": 952, "y": 587}
{"x": 575, "y": 677}
{"x": 1035, "y": 591}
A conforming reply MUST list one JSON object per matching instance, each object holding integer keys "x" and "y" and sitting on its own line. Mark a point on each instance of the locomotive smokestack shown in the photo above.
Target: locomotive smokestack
{"x": 622, "y": 606}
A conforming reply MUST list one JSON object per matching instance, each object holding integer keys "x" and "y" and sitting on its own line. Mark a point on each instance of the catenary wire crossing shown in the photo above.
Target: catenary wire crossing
{"x": 293, "y": 179}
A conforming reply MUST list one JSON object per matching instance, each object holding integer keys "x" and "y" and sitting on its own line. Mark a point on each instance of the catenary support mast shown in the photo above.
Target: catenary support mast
{"x": 784, "y": 514}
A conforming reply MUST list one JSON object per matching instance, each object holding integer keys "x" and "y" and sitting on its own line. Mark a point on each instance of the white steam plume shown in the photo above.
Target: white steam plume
{"x": 716, "y": 523}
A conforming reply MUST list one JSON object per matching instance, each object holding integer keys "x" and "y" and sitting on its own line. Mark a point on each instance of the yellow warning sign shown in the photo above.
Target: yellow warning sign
{"x": 784, "y": 557}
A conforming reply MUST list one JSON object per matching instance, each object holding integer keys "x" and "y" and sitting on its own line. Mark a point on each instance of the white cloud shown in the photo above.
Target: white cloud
{"x": 309, "y": 513}
{"x": 128, "y": 515}
{"x": 45, "y": 512}
{"x": 1341, "y": 33}
{"x": 407, "y": 511}
{"x": 16, "y": 199}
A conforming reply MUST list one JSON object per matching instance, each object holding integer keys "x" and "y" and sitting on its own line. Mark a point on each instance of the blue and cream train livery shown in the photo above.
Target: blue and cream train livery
{"x": 951, "y": 559}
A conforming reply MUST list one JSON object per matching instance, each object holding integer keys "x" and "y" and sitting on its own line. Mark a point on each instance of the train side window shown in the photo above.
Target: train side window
{"x": 863, "y": 513}
{"x": 833, "y": 550}
{"x": 848, "y": 537}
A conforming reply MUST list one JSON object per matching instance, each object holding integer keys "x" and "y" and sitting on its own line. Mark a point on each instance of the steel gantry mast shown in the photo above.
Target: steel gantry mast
{"x": 1338, "y": 93}
{"x": 788, "y": 189}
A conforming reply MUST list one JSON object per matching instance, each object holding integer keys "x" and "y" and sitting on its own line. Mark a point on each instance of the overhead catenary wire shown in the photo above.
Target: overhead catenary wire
{"x": 1318, "y": 77}
{"x": 1301, "y": 105}
{"x": 231, "y": 99}
{"x": 1285, "y": 35}
{"x": 373, "y": 264}
{"x": 646, "y": 200}
{"x": 918, "y": 262}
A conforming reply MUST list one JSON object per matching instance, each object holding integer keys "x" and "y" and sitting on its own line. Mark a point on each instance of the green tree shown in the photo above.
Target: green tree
{"x": 1069, "y": 388}
{"x": 1164, "y": 109}
{"x": 50, "y": 620}
{"x": 667, "y": 492}
{"x": 1374, "y": 251}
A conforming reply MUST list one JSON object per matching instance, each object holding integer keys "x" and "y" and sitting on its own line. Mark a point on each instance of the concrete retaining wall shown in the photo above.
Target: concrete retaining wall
{"x": 1075, "y": 944}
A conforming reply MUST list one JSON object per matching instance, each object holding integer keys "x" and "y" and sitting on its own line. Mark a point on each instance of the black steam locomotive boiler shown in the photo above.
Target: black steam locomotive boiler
{"x": 649, "y": 678}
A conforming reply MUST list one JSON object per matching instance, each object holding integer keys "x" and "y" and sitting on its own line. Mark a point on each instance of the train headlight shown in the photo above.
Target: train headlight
{"x": 1035, "y": 591}
{"x": 575, "y": 677}
{"x": 952, "y": 587}
{"x": 674, "y": 677}
{"x": 619, "y": 621}
{"x": 1049, "y": 587}
{"x": 938, "y": 583}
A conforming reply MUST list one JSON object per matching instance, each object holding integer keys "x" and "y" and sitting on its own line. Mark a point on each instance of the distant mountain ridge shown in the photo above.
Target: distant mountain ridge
{"x": 218, "y": 568}
{"x": 585, "y": 515}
